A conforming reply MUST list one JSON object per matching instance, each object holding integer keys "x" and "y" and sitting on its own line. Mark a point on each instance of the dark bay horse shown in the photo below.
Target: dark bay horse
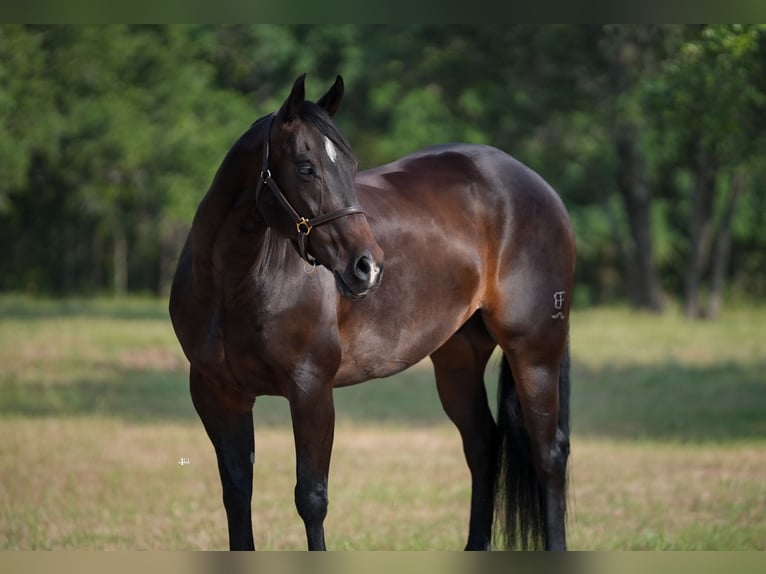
{"x": 300, "y": 275}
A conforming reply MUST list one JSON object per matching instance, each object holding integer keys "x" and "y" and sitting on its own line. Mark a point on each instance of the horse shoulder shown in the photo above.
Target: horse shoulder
{"x": 195, "y": 312}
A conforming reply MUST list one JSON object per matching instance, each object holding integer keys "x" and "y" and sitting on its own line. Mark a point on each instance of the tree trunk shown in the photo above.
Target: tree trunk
{"x": 172, "y": 240}
{"x": 622, "y": 244}
{"x": 637, "y": 198}
{"x": 120, "y": 259}
{"x": 97, "y": 262}
{"x": 723, "y": 245}
{"x": 700, "y": 231}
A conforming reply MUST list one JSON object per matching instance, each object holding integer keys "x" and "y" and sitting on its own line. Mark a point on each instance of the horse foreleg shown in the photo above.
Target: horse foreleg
{"x": 313, "y": 416}
{"x": 228, "y": 420}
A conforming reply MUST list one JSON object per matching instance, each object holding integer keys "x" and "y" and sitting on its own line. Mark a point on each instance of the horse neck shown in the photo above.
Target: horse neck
{"x": 229, "y": 184}
{"x": 229, "y": 238}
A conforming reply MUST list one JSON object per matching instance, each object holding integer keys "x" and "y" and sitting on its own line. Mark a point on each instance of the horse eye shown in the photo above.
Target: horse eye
{"x": 306, "y": 169}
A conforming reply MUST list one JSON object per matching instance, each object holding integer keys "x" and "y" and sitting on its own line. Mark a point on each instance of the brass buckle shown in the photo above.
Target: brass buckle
{"x": 303, "y": 223}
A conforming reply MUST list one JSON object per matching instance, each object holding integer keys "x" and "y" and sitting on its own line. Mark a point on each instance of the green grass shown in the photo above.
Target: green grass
{"x": 640, "y": 376}
{"x": 668, "y": 415}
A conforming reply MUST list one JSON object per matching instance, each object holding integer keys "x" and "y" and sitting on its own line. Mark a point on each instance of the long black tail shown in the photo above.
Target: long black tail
{"x": 519, "y": 494}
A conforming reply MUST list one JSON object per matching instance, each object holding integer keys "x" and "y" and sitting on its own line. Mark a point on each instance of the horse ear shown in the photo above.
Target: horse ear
{"x": 295, "y": 99}
{"x": 330, "y": 102}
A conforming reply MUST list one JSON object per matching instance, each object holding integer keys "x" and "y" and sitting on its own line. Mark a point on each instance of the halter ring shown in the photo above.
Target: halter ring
{"x": 309, "y": 266}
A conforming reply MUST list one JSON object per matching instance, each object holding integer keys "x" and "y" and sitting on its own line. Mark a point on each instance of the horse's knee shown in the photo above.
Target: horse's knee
{"x": 311, "y": 501}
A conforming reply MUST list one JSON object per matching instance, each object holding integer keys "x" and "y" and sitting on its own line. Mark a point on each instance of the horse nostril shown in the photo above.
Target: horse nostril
{"x": 363, "y": 268}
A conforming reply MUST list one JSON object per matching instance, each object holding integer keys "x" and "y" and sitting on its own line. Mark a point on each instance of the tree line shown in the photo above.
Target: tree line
{"x": 652, "y": 134}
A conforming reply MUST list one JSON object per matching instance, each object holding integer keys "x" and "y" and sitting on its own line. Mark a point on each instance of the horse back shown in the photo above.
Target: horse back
{"x": 512, "y": 205}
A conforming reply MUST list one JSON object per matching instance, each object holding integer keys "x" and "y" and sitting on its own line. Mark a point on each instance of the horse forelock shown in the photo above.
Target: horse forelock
{"x": 315, "y": 116}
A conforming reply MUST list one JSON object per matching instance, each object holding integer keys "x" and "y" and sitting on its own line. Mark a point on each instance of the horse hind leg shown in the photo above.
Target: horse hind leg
{"x": 459, "y": 367}
{"x": 533, "y": 418}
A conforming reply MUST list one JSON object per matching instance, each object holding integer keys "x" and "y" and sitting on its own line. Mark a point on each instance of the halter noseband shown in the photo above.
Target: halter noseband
{"x": 303, "y": 225}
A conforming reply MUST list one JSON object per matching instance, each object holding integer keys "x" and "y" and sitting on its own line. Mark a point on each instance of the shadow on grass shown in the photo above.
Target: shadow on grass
{"x": 670, "y": 401}
{"x": 151, "y": 396}
{"x": 137, "y": 396}
{"x": 27, "y": 308}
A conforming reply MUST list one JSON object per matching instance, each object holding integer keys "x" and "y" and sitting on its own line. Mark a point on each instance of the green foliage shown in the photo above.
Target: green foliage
{"x": 26, "y": 109}
{"x": 109, "y": 135}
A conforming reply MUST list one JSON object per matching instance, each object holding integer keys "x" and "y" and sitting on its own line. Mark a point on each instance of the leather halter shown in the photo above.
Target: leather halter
{"x": 303, "y": 225}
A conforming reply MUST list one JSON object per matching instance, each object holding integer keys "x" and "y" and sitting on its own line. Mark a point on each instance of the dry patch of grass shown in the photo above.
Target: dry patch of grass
{"x": 656, "y": 496}
{"x": 103, "y": 484}
{"x": 156, "y": 358}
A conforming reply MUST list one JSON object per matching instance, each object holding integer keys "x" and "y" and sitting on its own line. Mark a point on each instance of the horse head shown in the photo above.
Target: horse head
{"x": 309, "y": 168}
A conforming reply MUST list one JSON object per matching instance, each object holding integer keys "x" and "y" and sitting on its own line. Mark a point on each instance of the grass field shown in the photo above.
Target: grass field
{"x": 668, "y": 449}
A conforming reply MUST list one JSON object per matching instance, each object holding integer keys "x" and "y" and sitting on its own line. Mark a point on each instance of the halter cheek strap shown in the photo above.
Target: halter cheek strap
{"x": 303, "y": 225}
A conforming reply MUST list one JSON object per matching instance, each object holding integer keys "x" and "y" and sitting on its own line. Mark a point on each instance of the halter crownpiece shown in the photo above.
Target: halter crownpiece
{"x": 303, "y": 225}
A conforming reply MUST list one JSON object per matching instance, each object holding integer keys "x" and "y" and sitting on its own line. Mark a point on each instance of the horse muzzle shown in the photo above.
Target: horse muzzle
{"x": 361, "y": 277}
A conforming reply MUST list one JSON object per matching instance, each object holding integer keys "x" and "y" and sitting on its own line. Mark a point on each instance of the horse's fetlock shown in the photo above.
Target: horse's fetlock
{"x": 311, "y": 501}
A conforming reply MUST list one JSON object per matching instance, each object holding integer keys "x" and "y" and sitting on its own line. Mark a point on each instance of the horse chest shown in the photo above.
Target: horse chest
{"x": 269, "y": 352}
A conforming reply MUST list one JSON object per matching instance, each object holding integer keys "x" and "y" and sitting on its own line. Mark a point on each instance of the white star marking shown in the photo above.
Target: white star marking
{"x": 332, "y": 153}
